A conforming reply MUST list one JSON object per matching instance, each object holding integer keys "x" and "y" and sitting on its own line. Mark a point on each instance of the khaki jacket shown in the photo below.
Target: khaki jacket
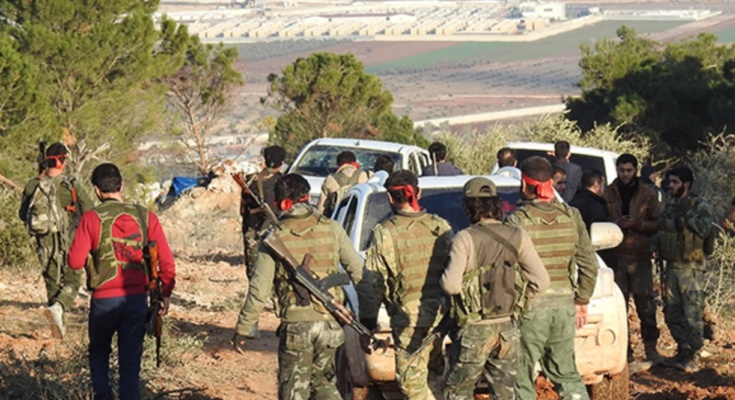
{"x": 645, "y": 210}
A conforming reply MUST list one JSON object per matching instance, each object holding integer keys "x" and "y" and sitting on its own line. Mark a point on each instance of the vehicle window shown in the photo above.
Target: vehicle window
{"x": 413, "y": 164}
{"x": 584, "y": 161}
{"x": 321, "y": 160}
{"x": 423, "y": 160}
{"x": 349, "y": 220}
{"x": 340, "y": 210}
{"x": 447, "y": 203}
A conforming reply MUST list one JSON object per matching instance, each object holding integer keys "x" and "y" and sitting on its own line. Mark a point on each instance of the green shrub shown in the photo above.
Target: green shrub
{"x": 16, "y": 248}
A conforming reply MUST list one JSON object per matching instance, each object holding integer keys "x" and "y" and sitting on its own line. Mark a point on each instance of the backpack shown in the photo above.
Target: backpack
{"x": 44, "y": 216}
{"x": 345, "y": 183}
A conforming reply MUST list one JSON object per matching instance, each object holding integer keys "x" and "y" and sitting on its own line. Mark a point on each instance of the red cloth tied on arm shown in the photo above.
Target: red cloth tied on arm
{"x": 410, "y": 195}
{"x": 544, "y": 190}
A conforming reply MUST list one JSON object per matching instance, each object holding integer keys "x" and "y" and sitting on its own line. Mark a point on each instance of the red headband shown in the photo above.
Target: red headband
{"x": 353, "y": 163}
{"x": 287, "y": 204}
{"x": 57, "y": 158}
{"x": 410, "y": 195}
{"x": 544, "y": 190}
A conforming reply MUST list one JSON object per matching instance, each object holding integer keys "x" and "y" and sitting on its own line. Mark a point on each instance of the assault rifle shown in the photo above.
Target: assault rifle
{"x": 307, "y": 286}
{"x": 661, "y": 275}
{"x": 446, "y": 325}
{"x": 41, "y": 156}
{"x": 267, "y": 210}
{"x": 153, "y": 319}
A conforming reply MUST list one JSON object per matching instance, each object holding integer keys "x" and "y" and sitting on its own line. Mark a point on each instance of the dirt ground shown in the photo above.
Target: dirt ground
{"x": 199, "y": 363}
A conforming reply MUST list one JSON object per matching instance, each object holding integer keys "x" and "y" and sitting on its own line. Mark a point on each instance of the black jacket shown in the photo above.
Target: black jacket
{"x": 590, "y": 206}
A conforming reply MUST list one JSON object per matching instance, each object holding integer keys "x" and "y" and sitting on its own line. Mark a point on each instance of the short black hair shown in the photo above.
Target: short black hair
{"x": 684, "y": 174}
{"x": 559, "y": 170}
{"x": 537, "y": 168}
{"x": 506, "y": 157}
{"x": 274, "y": 156}
{"x": 346, "y": 157}
{"x": 627, "y": 158}
{"x": 107, "y": 178}
{"x": 477, "y": 208}
{"x": 438, "y": 150}
{"x": 401, "y": 178}
{"x": 56, "y": 149}
{"x": 590, "y": 177}
{"x": 291, "y": 186}
{"x": 561, "y": 149}
{"x": 384, "y": 163}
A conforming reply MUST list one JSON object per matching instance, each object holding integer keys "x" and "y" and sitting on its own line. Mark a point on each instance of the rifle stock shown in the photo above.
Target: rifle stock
{"x": 319, "y": 290}
{"x": 153, "y": 319}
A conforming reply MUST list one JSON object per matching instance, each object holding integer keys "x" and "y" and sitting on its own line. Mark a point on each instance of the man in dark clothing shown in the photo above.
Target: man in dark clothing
{"x": 589, "y": 200}
{"x": 574, "y": 171}
{"x": 648, "y": 178}
{"x": 253, "y": 217}
{"x": 440, "y": 166}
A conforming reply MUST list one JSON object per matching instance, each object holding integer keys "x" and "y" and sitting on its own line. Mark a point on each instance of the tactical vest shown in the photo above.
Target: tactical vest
{"x": 106, "y": 264}
{"x": 677, "y": 241}
{"x": 417, "y": 298}
{"x": 345, "y": 183}
{"x": 307, "y": 234}
{"x": 489, "y": 291}
{"x": 48, "y": 208}
{"x": 554, "y": 235}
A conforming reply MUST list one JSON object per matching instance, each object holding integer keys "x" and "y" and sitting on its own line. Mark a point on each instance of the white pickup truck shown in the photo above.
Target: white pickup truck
{"x": 586, "y": 157}
{"x": 318, "y": 158}
{"x": 600, "y": 346}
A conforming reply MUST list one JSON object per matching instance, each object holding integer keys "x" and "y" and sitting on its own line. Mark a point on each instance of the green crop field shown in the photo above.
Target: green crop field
{"x": 726, "y": 36}
{"x": 515, "y": 51}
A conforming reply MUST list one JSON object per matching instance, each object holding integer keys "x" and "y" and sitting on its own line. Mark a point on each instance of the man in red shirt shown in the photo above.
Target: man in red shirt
{"x": 114, "y": 233}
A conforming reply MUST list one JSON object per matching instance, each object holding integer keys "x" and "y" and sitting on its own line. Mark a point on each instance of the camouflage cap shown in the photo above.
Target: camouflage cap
{"x": 479, "y": 187}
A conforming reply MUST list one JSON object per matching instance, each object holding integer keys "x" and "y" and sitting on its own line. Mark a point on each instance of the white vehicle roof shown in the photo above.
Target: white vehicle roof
{"x": 362, "y": 143}
{"x": 375, "y": 184}
{"x": 591, "y": 151}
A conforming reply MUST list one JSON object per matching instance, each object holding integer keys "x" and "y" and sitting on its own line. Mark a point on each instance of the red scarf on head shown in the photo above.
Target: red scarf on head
{"x": 544, "y": 190}
{"x": 56, "y": 158}
{"x": 410, "y": 195}
{"x": 354, "y": 164}
{"x": 287, "y": 204}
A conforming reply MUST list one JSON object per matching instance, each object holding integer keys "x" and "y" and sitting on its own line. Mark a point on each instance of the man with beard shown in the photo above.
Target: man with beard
{"x": 589, "y": 200}
{"x": 683, "y": 227}
{"x": 635, "y": 208}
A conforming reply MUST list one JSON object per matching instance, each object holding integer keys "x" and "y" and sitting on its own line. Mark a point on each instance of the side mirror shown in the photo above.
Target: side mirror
{"x": 605, "y": 235}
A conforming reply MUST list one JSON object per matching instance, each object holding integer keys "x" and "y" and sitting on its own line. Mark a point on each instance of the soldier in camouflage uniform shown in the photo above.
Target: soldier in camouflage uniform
{"x": 253, "y": 218}
{"x": 482, "y": 275}
{"x": 683, "y": 227}
{"x": 407, "y": 258}
{"x": 62, "y": 283}
{"x": 309, "y": 335}
{"x": 548, "y": 324}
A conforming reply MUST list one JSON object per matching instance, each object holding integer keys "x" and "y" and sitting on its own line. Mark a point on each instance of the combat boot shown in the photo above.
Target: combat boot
{"x": 652, "y": 354}
{"x": 55, "y": 316}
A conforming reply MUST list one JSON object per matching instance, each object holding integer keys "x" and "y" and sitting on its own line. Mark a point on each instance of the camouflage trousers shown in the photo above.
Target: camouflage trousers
{"x": 635, "y": 278}
{"x": 491, "y": 349}
{"x": 306, "y": 360}
{"x": 62, "y": 282}
{"x": 412, "y": 369}
{"x": 250, "y": 244}
{"x": 547, "y": 335}
{"x": 684, "y": 303}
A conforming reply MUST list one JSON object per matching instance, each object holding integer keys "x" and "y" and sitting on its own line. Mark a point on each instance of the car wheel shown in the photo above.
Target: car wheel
{"x": 612, "y": 387}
